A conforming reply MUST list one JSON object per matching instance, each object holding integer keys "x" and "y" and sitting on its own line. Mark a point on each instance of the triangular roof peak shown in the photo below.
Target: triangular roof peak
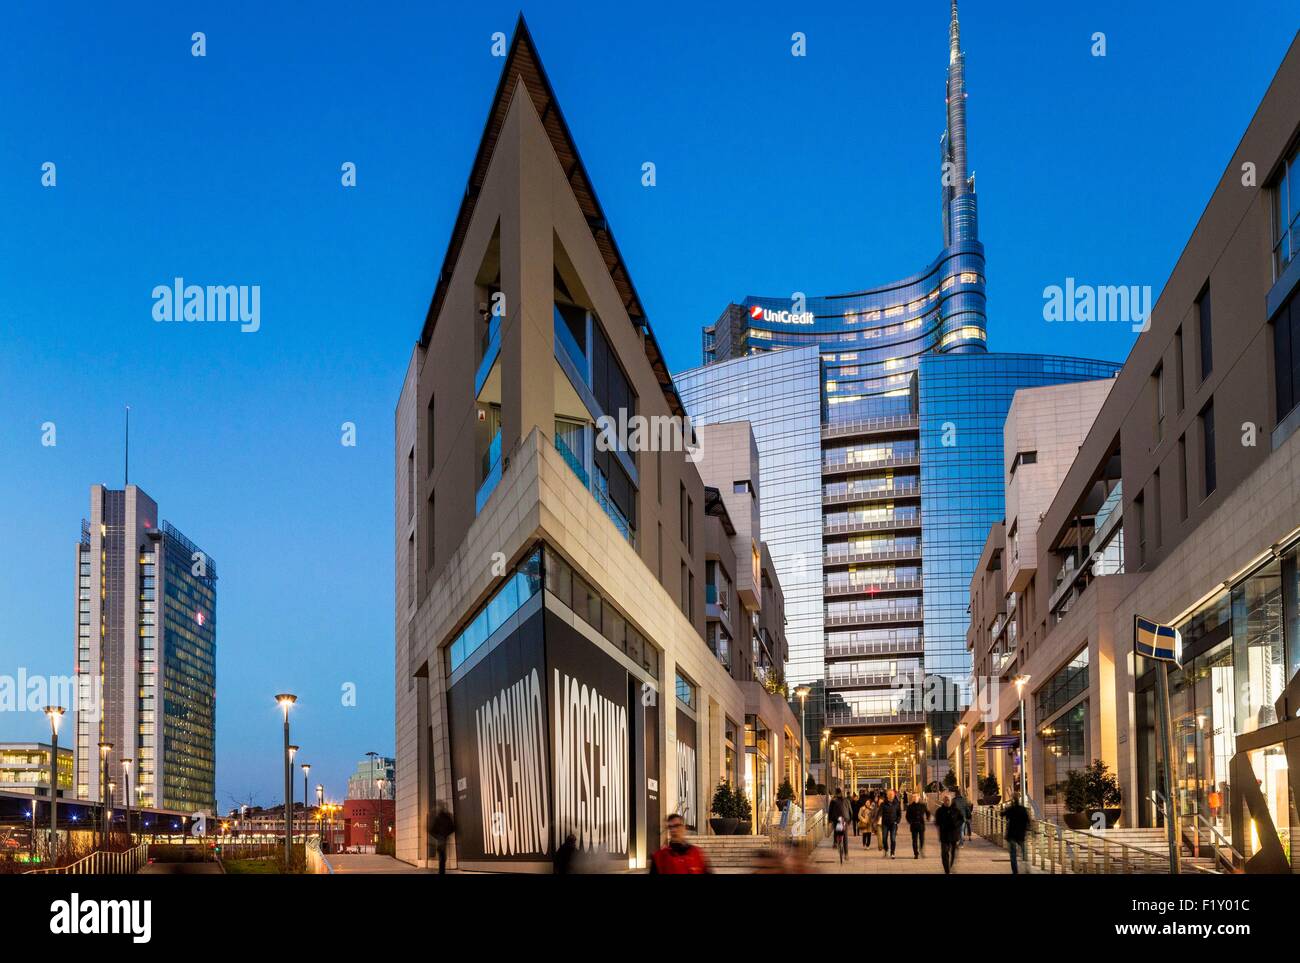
{"x": 523, "y": 65}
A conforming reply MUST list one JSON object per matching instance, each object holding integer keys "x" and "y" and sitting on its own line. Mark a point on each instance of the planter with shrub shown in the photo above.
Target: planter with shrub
{"x": 1092, "y": 797}
{"x": 990, "y": 792}
{"x": 723, "y": 807}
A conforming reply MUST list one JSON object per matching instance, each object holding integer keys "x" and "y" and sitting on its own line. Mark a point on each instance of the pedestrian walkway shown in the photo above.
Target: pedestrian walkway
{"x": 371, "y": 863}
{"x": 978, "y": 856}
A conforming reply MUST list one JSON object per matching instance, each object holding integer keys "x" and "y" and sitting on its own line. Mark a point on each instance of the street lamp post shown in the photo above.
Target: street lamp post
{"x": 802, "y": 692}
{"x": 1021, "y": 681}
{"x": 961, "y": 751}
{"x": 126, "y": 794}
{"x": 104, "y": 749}
{"x": 55, "y": 715}
{"x": 285, "y": 701}
{"x": 306, "y": 770}
{"x": 293, "y": 821}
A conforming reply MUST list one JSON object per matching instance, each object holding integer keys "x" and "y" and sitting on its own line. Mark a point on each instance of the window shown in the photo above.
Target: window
{"x": 681, "y": 508}
{"x": 1023, "y": 458}
{"x": 1210, "y": 477}
{"x": 429, "y": 435}
{"x": 685, "y": 691}
{"x": 1182, "y": 478}
{"x": 659, "y": 550}
{"x": 429, "y": 555}
{"x": 1207, "y": 339}
{"x": 1178, "y": 370}
{"x": 1158, "y": 378}
{"x": 1140, "y": 511}
{"x": 410, "y": 570}
{"x": 685, "y": 599}
{"x": 690, "y": 595}
{"x": 410, "y": 485}
{"x": 1155, "y": 509}
{"x": 1286, "y": 214}
{"x": 742, "y": 487}
{"x": 1286, "y": 357}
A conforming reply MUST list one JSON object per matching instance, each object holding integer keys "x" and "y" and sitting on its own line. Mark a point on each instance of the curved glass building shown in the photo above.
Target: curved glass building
{"x": 907, "y": 455}
{"x": 872, "y": 340}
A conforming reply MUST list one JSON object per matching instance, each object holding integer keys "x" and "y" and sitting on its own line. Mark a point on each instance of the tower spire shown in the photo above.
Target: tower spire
{"x": 959, "y": 219}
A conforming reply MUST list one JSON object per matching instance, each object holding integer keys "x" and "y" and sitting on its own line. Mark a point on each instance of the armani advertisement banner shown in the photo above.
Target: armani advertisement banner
{"x": 687, "y": 799}
{"x": 542, "y": 747}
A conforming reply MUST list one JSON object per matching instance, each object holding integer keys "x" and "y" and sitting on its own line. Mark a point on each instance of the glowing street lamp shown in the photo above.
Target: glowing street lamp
{"x": 55, "y": 715}
{"x": 802, "y": 692}
{"x": 285, "y": 701}
{"x": 104, "y": 749}
{"x": 1021, "y": 681}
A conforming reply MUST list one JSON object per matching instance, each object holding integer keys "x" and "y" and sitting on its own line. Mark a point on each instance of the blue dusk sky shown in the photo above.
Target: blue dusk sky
{"x": 774, "y": 174}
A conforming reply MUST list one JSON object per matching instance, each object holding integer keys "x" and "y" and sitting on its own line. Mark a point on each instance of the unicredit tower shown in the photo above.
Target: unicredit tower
{"x": 878, "y": 416}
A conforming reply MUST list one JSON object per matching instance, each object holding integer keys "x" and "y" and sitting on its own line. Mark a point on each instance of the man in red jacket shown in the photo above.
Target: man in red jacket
{"x": 678, "y": 856}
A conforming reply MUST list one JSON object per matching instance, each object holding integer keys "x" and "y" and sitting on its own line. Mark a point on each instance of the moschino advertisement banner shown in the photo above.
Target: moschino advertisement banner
{"x": 542, "y": 740}
{"x": 687, "y": 798}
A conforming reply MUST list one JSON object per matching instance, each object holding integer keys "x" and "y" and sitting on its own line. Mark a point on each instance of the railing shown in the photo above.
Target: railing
{"x": 1053, "y": 848}
{"x": 317, "y": 864}
{"x": 907, "y": 520}
{"x": 871, "y": 588}
{"x": 101, "y": 863}
{"x": 897, "y": 491}
{"x": 838, "y": 679}
{"x": 864, "y": 425}
{"x": 885, "y": 647}
{"x": 831, "y": 466}
{"x": 883, "y": 718}
{"x": 891, "y": 555}
{"x": 912, "y": 614}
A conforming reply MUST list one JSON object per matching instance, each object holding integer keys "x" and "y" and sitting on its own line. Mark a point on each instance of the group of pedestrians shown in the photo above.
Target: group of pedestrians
{"x": 873, "y": 814}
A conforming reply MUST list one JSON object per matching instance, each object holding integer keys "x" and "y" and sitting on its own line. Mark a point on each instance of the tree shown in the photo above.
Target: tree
{"x": 989, "y": 785}
{"x": 1093, "y": 787}
{"x": 810, "y": 787}
{"x": 741, "y": 807}
{"x": 784, "y": 793}
{"x": 950, "y": 779}
{"x": 723, "y": 801}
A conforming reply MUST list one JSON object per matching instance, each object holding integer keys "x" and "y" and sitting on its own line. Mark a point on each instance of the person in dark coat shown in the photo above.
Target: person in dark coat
{"x": 891, "y": 814}
{"x": 1017, "y": 830}
{"x": 917, "y": 814}
{"x": 948, "y": 819}
{"x": 441, "y": 826}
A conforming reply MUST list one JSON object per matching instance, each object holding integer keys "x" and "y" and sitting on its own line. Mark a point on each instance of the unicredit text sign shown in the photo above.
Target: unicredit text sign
{"x": 780, "y": 317}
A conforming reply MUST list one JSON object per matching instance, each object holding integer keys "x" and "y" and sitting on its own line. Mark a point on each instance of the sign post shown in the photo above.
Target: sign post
{"x": 1163, "y": 645}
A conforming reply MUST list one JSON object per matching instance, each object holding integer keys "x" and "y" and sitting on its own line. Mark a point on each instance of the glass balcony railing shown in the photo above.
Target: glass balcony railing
{"x": 573, "y": 461}
{"x": 491, "y": 468}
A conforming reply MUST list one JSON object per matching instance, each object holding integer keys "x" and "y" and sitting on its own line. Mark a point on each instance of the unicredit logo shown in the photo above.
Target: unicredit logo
{"x": 759, "y": 313}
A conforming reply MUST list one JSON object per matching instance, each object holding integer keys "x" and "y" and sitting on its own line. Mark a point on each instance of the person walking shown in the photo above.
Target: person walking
{"x": 1017, "y": 831}
{"x": 441, "y": 826}
{"x": 678, "y": 858}
{"x": 917, "y": 814}
{"x": 963, "y": 807}
{"x": 891, "y": 814}
{"x": 948, "y": 820}
{"x": 841, "y": 816}
{"x": 867, "y": 821}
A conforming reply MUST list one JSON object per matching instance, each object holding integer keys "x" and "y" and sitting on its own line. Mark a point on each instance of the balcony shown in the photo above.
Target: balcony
{"x": 832, "y": 590}
{"x": 491, "y": 469}
{"x": 999, "y": 662}
{"x": 850, "y": 558}
{"x": 847, "y": 466}
{"x": 902, "y": 718}
{"x": 872, "y": 495}
{"x": 837, "y": 650}
{"x": 896, "y": 522}
{"x": 841, "y": 680}
{"x": 869, "y": 426}
{"x": 890, "y": 616}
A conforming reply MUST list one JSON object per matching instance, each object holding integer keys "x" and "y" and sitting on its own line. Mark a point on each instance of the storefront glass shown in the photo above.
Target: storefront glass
{"x": 1065, "y": 750}
{"x": 1260, "y": 656}
{"x": 1270, "y": 768}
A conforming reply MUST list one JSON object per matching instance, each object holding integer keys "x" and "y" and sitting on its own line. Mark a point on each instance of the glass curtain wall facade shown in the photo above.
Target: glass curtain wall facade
{"x": 1239, "y": 650}
{"x": 963, "y": 402}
